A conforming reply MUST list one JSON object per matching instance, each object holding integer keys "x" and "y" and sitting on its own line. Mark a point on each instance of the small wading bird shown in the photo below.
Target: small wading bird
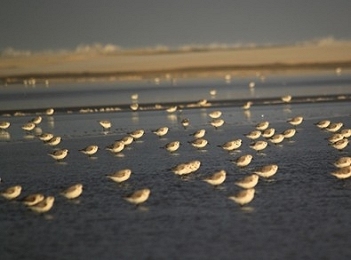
{"x": 172, "y": 146}
{"x": 342, "y": 173}
{"x": 139, "y": 196}
{"x": 267, "y": 171}
{"x": 105, "y": 124}
{"x": 248, "y": 182}
{"x": 215, "y": 114}
{"x": 162, "y": 131}
{"x": 73, "y": 191}
{"x": 217, "y": 178}
{"x": 217, "y": 122}
{"x": 43, "y": 206}
{"x": 116, "y": 147}
{"x": 4, "y": 125}
{"x": 199, "y": 143}
{"x": 243, "y": 197}
{"x": 262, "y": 125}
{"x": 137, "y": 134}
{"x": 90, "y": 150}
{"x": 199, "y": 133}
{"x": 59, "y": 155}
{"x": 259, "y": 145}
{"x": 28, "y": 126}
{"x": 231, "y": 145}
{"x": 244, "y": 160}
{"x": 295, "y": 121}
{"x": 12, "y": 192}
{"x": 33, "y": 199}
{"x": 121, "y": 175}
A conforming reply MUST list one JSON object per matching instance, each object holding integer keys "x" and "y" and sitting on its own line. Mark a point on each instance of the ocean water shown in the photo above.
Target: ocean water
{"x": 303, "y": 212}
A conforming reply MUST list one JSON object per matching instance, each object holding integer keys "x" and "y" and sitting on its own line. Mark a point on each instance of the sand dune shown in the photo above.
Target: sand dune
{"x": 135, "y": 64}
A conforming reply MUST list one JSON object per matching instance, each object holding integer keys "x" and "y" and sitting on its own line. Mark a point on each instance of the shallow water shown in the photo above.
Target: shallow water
{"x": 118, "y": 93}
{"x": 302, "y": 213}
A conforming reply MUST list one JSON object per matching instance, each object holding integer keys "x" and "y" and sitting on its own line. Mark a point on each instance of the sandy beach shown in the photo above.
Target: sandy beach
{"x": 126, "y": 64}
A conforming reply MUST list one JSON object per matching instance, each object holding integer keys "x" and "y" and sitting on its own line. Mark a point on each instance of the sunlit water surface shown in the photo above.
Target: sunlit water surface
{"x": 303, "y": 212}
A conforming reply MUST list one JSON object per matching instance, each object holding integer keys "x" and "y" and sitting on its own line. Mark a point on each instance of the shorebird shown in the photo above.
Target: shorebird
{"x": 253, "y": 135}
{"x": 181, "y": 169}
{"x": 185, "y": 123}
{"x": 172, "y": 146}
{"x": 202, "y": 102}
{"x": 341, "y": 144}
{"x": 199, "y": 133}
{"x": 217, "y": 178}
{"x": 106, "y": 125}
{"x": 194, "y": 165}
{"x": 252, "y": 84}
{"x": 137, "y": 134}
{"x": 247, "y": 105}
{"x": 134, "y": 96}
{"x": 269, "y": 132}
{"x": 289, "y": 133}
{"x": 343, "y": 162}
{"x": 244, "y": 160}
{"x": 73, "y": 191}
{"x": 127, "y": 140}
{"x": 231, "y": 145}
{"x": 134, "y": 106}
{"x": 215, "y": 114}
{"x": 12, "y": 192}
{"x": 172, "y": 109}
{"x": 286, "y": 98}
{"x": 335, "y": 137}
{"x": 346, "y": 132}
{"x": 33, "y": 199}
{"x": 267, "y": 171}
{"x": 54, "y": 141}
{"x": 277, "y": 138}
{"x": 186, "y": 168}
{"x": 342, "y": 173}
{"x": 116, "y": 147}
{"x": 36, "y": 120}
{"x": 28, "y": 126}
{"x": 295, "y": 121}
{"x": 121, "y": 175}
{"x": 44, "y": 206}
{"x": 217, "y": 122}
{"x": 259, "y": 145}
{"x": 243, "y": 197}
{"x": 262, "y": 125}
{"x": 323, "y": 124}
{"x": 49, "y": 111}
{"x": 139, "y": 196}
{"x": 4, "y": 125}
{"x": 90, "y": 150}
{"x": 334, "y": 127}
{"x": 59, "y": 155}
{"x": 199, "y": 143}
{"x": 248, "y": 182}
{"x": 46, "y": 137}
{"x": 162, "y": 131}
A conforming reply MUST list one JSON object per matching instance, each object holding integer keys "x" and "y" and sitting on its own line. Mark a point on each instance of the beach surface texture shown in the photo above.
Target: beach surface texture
{"x": 108, "y": 64}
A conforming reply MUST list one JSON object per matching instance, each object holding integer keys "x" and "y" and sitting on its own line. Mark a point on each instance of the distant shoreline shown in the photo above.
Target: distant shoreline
{"x": 144, "y": 65}
{"x": 234, "y": 103}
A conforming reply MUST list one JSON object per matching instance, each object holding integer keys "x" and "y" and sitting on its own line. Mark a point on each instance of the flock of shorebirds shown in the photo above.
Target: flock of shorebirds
{"x": 260, "y": 137}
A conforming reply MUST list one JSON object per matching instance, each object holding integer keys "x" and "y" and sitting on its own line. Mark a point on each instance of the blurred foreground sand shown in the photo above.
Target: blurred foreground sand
{"x": 137, "y": 64}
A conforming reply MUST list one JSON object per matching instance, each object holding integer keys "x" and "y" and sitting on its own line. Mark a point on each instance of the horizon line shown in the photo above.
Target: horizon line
{"x": 115, "y": 49}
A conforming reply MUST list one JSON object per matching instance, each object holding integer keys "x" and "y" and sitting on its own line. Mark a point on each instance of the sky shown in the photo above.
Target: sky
{"x": 38, "y": 25}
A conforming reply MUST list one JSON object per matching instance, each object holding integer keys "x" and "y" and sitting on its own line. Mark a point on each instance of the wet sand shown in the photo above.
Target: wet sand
{"x": 134, "y": 64}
